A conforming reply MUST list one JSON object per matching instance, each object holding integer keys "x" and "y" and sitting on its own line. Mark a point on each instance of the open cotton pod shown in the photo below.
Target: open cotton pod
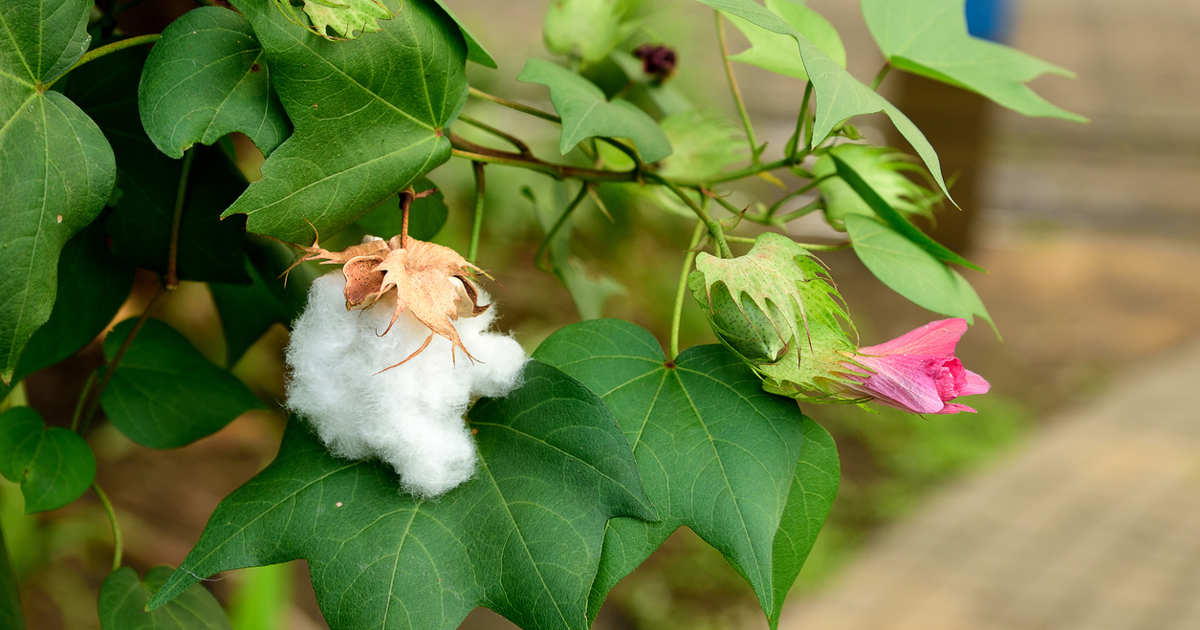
{"x": 390, "y": 373}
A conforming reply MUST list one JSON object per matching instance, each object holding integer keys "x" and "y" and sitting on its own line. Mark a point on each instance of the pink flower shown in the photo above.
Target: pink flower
{"x": 917, "y": 371}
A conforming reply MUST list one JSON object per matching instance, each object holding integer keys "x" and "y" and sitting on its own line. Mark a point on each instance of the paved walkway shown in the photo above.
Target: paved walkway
{"x": 1093, "y": 524}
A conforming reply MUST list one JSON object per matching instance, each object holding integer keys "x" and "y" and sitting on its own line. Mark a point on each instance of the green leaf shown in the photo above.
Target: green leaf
{"x": 522, "y": 538}
{"x": 246, "y": 312}
{"x": 207, "y": 78}
{"x": 58, "y": 168}
{"x": 141, "y": 222}
{"x": 883, "y": 170}
{"x": 92, "y": 286}
{"x": 53, "y": 465}
{"x": 837, "y": 94}
{"x": 716, "y": 453}
{"x": 368, "y": 116}
{"x": 587, "y": 114}
{"x": 893, "y": 218}
{"x": 777, "y": 52}
{"x": 704, "y": 144}
{"x": 911, "y": 271}
{"x": 164, "y": 393}
{"x": 930, "y": 38}
{"x": 345, "y": 18}
{"x": 123, "y": 598}
{"x": 587, "y": 29}
{"x": 475, "y": 50}
{"x": 426, "y": 215}
{"x": 10, "y": 600}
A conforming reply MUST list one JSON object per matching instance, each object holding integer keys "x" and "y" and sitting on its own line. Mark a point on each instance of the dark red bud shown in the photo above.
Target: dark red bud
{"x": 658, "y": 61}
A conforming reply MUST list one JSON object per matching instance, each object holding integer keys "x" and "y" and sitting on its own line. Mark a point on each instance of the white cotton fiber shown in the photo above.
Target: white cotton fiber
{"x": 410, "y": 416}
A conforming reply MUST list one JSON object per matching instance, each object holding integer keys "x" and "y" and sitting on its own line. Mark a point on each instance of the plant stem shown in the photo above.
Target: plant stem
{"x": 477, "y": 224}
{"x": 466, "y": 149}
{"x": 406, "y": 199}
{"x": 714, "y": 227}
{"x": 83, "y": 397}
{"x": 795, "y": 193}
{"x": 734, "y": 89}
{"x": 558, "y": 224}
{"x": 499, "y": 133}
{"x": 106, "y": 49}
{"x": 793, "y": 144}
{"x": 118, "y": 539}
{"x": 807, "y": 208}
{"x": 176, "y": 218}
{"x": 109, "y": 369}
{"x": 520, "y": 107}
{"x": 681, "y": 289}
{"x": 879, "y": 76}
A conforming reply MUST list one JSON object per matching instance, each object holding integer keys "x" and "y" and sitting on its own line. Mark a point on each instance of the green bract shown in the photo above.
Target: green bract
{"x": 884, "y": 170}
{"x": 588, "y": 29}
{"x": 777, "y": 307}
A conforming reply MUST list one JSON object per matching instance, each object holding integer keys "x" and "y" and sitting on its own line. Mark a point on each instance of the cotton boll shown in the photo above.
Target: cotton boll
{"x": 410, "y": 416}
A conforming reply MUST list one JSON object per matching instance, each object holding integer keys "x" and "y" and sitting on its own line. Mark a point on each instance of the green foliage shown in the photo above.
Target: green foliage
{"x": 369, "y": 116}
{"x": 123, "y": 598}
{"x": 912, "y": 271}
{"x": 207, "y": 78}
{"x": 10, "y": 603}
{"x": 704, "y": 145}
{"x": 523, "y": 537}
{"x": 53, "y": 465}
{"x": 776, "y": 52}
{"x": 92, "y": 285}
{"x": 140, "y": 224}
{"x": 58, "y": 168}
{"x": 587, "y": 114}
{"x": 838, "y": 95}
{"x": 164, "y": 393}
{"x": 246, "y": 312}
{"x": 347, "y": 18}
{"x": 588, "y": 29}
{"x": 930, "y": 38}
{"x": 716, "y": 454}
{"x": 262, "y": 598}
{"x": 475, "y": 50}
{"x": 883, "y": 170}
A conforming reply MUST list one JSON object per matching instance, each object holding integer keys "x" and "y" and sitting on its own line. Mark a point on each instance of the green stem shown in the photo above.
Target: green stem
{"x": 714, "y": 227}
{"x": 118, "y": 539}
{"x": 807, "y": 208}
{"x": 116, "y": 360}
{"x": 477, "y": 224}
{"x": 681, "y": 289}
{"x": 558, "y": 224}
{"x": 517, "y": 143}
{"x": 879, "y": 76}
{"x": 106, "y": 49}
{"x": 824, "y": 247}
{"x": 520, "y": 107}
{"x": 177, "y": 218}
{"x": 795, "y": 193}
{"x": 734, "y": 89}
{"x": 84, "y": 394}
{"x": 801, "y": 121}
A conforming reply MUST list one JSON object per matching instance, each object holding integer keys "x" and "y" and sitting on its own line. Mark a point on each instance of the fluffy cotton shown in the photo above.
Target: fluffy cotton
{"x": 410, "y": 416}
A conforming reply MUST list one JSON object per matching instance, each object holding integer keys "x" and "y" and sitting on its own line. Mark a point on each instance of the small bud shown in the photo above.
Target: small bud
{"x": 658, "y": 61}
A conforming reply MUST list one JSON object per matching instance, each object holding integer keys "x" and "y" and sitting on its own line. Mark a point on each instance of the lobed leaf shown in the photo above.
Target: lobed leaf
{"x": 207, "y": 78}
{"x": 53, "y": 465}
{"x": 164, "y": 393}
{"x": 57, "y": 167}
{"x": 368, "y": 116}
{"x": 475, "y": 50}
{"x": 123, "y": 599}
{"x": 930, "y": 38}
{"x": 837, "y": 94}
{"x": 777, "y": 52}
{"x": 587, "y": 29}
{"x": 92, "y": 286}
{"x": 717, "y": 454}
{"x": 586, "y": 113}
{"x": 522, "y": 538}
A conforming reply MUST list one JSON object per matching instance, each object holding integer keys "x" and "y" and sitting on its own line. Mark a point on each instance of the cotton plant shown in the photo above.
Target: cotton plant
{"x": 430, "y": 465}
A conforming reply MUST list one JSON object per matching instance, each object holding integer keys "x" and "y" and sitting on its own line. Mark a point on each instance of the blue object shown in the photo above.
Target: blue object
{"x": 988, "y": 19}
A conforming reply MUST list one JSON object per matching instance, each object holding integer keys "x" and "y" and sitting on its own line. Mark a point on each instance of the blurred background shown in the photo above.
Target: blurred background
{"x": 1069, "y": 501}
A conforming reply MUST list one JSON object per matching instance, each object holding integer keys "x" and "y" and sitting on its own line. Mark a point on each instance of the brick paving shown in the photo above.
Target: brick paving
{"x": 1093, "y": 524}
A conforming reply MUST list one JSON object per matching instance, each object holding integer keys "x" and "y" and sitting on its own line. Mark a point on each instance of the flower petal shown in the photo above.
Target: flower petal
{"x": 975, "y": 385}
{"x": 955, "y": 408}
{"x": 902, "y": 381}
{"x": 937, "y": 338}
